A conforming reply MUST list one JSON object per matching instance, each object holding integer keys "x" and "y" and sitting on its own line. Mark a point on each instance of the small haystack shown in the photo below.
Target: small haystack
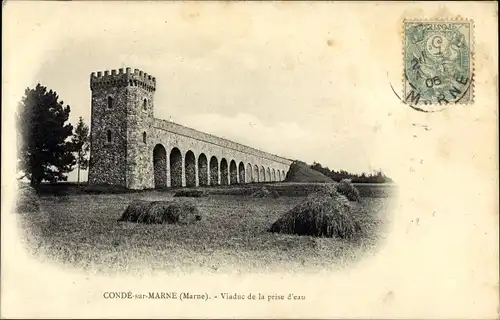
{"x": 328, "y": 189}
{"x": 274, "y": 194}
{"x": 159, "y": 212}
{"x": 346, "y": 188}
{"x": 135, "y": 212}
{"x": 261, "y": 193}
{"x": 27, "y": 199}
{"x": 193, "y": 193}
{"x": 320, "y": 215}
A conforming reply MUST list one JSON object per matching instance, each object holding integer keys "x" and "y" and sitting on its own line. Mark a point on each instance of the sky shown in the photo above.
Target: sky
{"x": 293, "y": 79}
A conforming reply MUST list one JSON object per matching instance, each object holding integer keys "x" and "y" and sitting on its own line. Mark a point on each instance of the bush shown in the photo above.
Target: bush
{"x": 346, "y": 188}
{"x": 159, "y": 212}
{"x": 320, "y": 215}
{"x": 191, "y": 193}
{"x": 27, "y": 200}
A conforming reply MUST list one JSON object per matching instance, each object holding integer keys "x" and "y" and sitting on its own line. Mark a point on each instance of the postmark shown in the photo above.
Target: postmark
{"x": 438, "y": 62}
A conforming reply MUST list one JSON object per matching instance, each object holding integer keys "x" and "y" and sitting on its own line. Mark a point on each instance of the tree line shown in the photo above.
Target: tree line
{"x": 48, "y": 148}
{"x": 376, "y": 177}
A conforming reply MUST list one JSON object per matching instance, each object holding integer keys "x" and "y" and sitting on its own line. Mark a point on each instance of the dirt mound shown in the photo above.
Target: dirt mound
{"x": 346, "y": 188}
{"x": 193, "y": 193}
{"x": 320, "y": 215}
{"x": 159, "y": 212}
{"x": 301, "y": 172}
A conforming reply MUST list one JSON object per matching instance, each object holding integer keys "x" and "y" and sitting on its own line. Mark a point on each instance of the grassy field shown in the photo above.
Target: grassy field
{"x": 81, "y": 230}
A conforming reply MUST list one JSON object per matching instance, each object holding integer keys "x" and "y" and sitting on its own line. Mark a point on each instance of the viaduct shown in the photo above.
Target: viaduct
{"x": 133, "y": 149}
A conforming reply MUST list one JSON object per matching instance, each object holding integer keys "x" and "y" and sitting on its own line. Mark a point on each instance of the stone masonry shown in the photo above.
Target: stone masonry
{"x": 131, "y": 148}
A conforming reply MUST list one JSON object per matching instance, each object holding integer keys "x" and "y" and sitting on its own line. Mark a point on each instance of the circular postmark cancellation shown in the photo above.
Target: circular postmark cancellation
{"x": 437, "y": 62}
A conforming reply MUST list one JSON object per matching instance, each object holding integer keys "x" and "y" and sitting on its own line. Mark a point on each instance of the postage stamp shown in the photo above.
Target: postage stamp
{"x": 438, "y": 62}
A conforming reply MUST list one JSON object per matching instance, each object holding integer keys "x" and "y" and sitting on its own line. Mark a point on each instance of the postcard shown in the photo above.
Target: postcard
{"x": 222, "y": 159}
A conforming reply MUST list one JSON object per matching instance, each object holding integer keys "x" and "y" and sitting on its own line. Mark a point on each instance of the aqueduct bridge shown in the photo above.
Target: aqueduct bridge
{"x": 131, "y": 148}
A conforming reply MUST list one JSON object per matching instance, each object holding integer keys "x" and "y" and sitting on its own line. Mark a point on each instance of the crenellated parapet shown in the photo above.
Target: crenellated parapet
{"x": 122, "y": 78}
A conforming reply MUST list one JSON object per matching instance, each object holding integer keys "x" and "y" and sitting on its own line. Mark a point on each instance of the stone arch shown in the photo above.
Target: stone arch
{"x": 273, "y": 175}
{"x": 268, "y": 174}
{"x": 233, "y": 172}
{"x": 160, "y": 166}
{"x": 248, "y": 173}
{"x": 202, "y": 170}
{"x": 241, "y": 172}
{"x": 175, "y": 168}
{"x": 279, "y": 175}
{"x": 256, "y": 173}
{"x": 224, "y": 174}
{"x": 190, "y": 169}
{"x": 214, "y": 171}
{"x": 262, "y": 174}
{"x": 283, "y": 175}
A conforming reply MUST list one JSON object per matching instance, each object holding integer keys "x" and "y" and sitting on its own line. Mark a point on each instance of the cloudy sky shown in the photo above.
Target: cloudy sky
{"x": 295, "y": 79}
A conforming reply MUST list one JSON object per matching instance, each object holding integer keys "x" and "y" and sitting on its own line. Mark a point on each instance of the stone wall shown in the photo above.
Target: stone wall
{"x": 108, "y": 159}
{"x": 211, "y": 139}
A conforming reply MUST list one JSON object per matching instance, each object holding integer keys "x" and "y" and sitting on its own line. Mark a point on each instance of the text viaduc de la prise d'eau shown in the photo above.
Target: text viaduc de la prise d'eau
{"x": 127, "y": 295}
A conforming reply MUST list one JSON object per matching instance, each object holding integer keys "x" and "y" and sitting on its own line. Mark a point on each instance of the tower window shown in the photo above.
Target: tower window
{"x": 110, "y": 102}
{"x": 145, "y": 104}
{"x": 144, "y": 137}
{"x": 108, "y": 137}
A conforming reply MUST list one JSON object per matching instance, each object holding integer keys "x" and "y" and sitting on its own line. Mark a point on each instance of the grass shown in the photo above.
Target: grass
{"x": 81, "y": 231}
{"x": 27, "y": 200}
{"x": 372, "y": 190}
{"x": 192, "y": 193}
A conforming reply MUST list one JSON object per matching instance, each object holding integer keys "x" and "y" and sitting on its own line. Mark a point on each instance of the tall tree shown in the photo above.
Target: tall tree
{"x": 81, "y": 145}
{"x": 45, "y": 154}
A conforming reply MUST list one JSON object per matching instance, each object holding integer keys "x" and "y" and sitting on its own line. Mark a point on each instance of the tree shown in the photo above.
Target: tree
{"x": 81, "y": 145}
{"x": 44, "y": 153}
{"x": 377, "y": 177}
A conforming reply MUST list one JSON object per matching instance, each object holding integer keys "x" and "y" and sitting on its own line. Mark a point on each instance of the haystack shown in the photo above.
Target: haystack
{"x": 346, "y": 188}
{"x": 261, "y": 193}
{"x": 328, "y": 189}
{"x": 193, "y": 193}
{"x": 159, "y": 212}
{"x": 320, "y": 215}
{"x": 27, "y": 200}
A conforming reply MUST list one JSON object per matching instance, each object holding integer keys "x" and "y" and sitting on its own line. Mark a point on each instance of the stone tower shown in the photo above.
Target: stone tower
{"x": 121, "y": 128}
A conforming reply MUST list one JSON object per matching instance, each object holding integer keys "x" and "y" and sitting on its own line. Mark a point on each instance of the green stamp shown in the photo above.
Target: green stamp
{"x": 438, "y": 66}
